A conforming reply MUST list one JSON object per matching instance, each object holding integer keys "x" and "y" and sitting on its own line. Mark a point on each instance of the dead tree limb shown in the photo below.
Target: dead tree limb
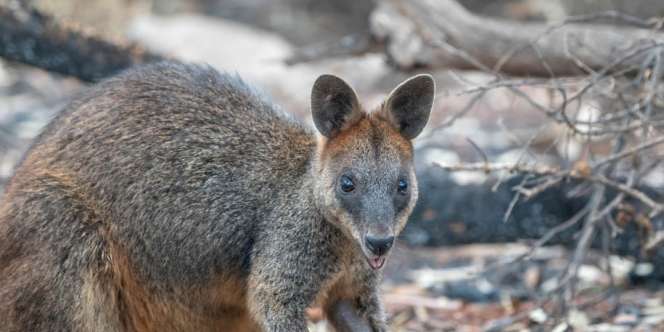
{"x": 656, "y": 208}
{"x": 32, "y": 38}
{"x": 443, "y": 34}
{"x": 440, "y": 33}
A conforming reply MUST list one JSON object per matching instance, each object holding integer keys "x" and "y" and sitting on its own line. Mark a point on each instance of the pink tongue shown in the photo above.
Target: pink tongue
{"x": 377, "y": 263}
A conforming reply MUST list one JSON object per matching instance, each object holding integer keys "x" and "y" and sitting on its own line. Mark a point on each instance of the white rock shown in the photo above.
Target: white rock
{"x": 620, "y": 266}
{"x": 578, "y": 320}
{"x": 643, "y": 269}
{"x": 590, "y": 274}
{"x": 562, "y": 327}
{"x": 538, "y": 316}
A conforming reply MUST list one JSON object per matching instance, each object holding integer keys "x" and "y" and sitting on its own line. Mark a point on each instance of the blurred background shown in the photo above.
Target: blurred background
{"x": 460, "y": 264}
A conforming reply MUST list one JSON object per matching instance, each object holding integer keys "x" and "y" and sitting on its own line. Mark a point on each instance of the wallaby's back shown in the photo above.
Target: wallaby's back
{"x": 158, "y": 152}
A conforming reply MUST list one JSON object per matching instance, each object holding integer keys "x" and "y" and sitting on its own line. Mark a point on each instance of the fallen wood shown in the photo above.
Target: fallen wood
{"x": 32, "y": 38}
{"x": 443, "y": 34}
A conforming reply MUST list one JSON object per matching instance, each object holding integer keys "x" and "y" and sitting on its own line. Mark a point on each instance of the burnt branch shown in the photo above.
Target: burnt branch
{"x": 30, "y": 37}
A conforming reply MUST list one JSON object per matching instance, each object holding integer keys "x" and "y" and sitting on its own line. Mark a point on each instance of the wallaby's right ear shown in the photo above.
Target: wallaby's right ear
{"x": 409, "y": 105}
{"x": 334, "y": 105}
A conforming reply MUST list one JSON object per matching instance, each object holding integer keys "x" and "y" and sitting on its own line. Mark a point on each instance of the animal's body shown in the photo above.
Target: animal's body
{"x": 175, "y": 198}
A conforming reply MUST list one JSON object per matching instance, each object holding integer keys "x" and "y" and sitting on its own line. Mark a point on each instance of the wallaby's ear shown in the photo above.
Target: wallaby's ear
{"x": 409, "y": 105}
{"x": 334, "y": 105}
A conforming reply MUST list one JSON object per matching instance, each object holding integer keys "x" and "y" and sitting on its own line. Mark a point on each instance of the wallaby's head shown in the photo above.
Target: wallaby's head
{"x": 364, "y": 176}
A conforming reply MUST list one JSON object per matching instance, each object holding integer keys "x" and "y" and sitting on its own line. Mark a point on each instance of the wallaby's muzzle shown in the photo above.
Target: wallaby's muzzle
{"x": 379, "y": 246}
{"x": 377, "y": 242}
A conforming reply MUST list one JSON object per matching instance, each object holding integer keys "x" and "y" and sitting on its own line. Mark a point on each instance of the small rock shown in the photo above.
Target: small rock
{"x": 620, "y": 267}
{"x": 643, "y": 269}
{"x": 538, "y": 316}
{"x": 578, "y": 320}
{"x": 590, "y": 274}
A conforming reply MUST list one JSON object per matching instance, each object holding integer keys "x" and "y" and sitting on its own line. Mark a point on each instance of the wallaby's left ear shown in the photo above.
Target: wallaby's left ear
{"x": 409, "y": 105}
{"x": 334, "y": 105}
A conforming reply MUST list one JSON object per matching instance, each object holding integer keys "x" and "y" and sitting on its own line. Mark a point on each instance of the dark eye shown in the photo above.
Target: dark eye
{"x": 346, "y": 184}
{"x": 403, "y": 186}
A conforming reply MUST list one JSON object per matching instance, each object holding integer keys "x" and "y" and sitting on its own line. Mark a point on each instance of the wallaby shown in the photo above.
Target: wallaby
{"x": 175, "y": 198}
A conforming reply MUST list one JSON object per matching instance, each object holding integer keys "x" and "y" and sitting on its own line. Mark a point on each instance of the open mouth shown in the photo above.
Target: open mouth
{"x": 376, "y": 262}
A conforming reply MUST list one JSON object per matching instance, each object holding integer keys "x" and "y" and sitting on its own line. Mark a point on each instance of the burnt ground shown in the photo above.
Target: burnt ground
{"x": 467, "y": 288}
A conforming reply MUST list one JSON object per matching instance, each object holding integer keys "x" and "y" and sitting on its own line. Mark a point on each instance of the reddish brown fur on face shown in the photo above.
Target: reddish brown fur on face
{"x": 348, "y": 140}
{"x": 377, "y": 156}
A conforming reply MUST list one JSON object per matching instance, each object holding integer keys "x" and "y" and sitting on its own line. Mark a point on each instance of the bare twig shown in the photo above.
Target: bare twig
{"x": 656, "y": 208}
{"x": 656, "y": 241}
{"x": 630, "y": 152}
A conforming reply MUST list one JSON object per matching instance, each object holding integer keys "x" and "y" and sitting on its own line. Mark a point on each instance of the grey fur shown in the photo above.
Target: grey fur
{"x": 172, "y": 197}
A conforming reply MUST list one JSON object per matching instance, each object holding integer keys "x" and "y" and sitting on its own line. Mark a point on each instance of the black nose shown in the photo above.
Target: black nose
{"x": 379, "y": 245}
